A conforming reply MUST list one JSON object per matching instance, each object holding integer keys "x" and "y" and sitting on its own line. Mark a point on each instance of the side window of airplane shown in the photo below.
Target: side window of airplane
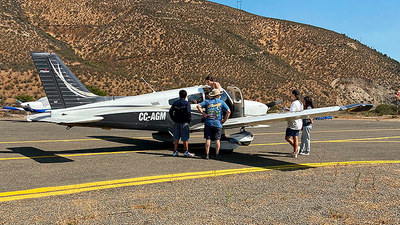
{"x": 192, "y": 99}
{"x": 195, "y": 98}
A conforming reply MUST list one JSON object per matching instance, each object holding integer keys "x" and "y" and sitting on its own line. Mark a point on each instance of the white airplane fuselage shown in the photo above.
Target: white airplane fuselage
{"x": 142, "y": 112}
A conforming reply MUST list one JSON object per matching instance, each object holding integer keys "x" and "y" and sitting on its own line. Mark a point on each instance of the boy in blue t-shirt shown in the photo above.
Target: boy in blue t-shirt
{"x": 213, "y": 124}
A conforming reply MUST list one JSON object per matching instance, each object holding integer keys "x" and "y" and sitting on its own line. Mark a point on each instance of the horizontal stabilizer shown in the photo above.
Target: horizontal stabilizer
{"x": 13, "y": 108}
{"x": 46, "y": 117}
{"x": 80, "y": 120}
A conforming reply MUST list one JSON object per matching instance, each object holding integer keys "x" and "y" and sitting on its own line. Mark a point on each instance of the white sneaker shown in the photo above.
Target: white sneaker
{"x": 304, "y": 153}
{"x": 175, "y": 153}
{"x": 188, "y": 154}
{"x": 293, "y": 155}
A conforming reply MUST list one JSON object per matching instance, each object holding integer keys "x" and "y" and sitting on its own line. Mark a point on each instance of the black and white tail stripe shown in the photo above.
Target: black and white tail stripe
{"x": 62, "y": 87}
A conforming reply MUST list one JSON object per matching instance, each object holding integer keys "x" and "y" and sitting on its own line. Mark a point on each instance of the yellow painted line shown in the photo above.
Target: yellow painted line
{"x": 375, "y": 141}
{"x": 119, "y": 138}
{"x": 358, "y": 139}
{"x": 84, "y": 187}
{"x": 338, "y": 141}
{"x": 334, "y": 131}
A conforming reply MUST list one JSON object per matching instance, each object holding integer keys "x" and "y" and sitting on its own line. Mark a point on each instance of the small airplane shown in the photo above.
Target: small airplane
{"x": 73, "y": 105}
{"x": 39, "y": 106}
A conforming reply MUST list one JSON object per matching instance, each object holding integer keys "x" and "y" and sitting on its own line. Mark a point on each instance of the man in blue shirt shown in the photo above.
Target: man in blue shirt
{"x": 180, "y": 113}
{"x": 214, "y": 109}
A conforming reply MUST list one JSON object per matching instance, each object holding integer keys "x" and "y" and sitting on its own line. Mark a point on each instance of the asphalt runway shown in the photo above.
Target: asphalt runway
{"x": 34, "y": 155}
{"x": 43, "y": 161}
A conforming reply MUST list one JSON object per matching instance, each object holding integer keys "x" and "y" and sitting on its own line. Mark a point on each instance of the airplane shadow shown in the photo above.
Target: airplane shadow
{"x": 274, "y": 154}
{"x": 14, "y": 121}
{"x": 39, "y": 155}
{"x": 136, "y": 144}
{"x": 253, "y": 160}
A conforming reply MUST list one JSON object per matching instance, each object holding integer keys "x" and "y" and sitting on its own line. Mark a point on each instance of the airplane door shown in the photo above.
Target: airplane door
{"x": 238, "y": 101}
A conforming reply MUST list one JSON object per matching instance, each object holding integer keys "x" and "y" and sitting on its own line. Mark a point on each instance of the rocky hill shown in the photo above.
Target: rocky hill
{"x": 176, "y": 43}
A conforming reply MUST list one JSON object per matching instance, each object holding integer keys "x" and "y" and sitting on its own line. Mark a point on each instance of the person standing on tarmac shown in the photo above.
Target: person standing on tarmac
{"x": 307, "y": 126}
{"x": 180, "y": 113}
{"x": 294, "y": 126}
{"x": 214, "y": 109}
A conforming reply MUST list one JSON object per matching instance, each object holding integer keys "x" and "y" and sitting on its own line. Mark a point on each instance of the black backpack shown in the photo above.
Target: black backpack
{"x": 179, "y": 114}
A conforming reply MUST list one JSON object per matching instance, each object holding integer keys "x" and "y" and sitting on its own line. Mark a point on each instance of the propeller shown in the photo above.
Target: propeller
{"x": 272, "y": 104}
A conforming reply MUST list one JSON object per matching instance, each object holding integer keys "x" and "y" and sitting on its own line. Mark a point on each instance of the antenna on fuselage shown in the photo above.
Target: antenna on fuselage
{"x": 148, "y": 85}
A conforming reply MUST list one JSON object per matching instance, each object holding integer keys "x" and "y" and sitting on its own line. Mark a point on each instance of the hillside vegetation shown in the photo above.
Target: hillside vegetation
{"x": 177, "y": 43}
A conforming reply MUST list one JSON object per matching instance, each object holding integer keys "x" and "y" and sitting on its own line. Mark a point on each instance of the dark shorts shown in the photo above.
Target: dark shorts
{"x": 292, "y": 133}
{"x": 212, "y": 133}
{"x": 181, "y": 131}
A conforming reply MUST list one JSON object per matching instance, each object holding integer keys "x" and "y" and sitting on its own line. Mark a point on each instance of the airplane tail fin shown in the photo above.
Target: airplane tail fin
{"x": 62, "y": 87}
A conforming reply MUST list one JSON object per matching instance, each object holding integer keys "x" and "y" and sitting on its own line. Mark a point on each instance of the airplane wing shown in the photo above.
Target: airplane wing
{"x": 249, "y": 121}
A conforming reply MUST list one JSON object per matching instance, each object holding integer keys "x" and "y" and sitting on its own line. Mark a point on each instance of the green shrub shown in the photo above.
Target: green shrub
{"x": 384, "y": 109}
{"x": 97, "y": 91}
{"x": 25, "y": 98}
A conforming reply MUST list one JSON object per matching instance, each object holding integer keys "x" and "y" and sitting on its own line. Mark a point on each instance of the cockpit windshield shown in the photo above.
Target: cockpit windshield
{"x": 223, "y": 95}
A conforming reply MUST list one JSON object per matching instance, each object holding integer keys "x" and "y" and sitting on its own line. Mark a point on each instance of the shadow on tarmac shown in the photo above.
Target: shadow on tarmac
{"x": 253, "y": 160}
{"x": 39, "y": 155}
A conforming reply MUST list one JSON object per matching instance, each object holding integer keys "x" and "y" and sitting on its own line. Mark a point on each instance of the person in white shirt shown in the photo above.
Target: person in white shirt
{"x": 294, "y": 126}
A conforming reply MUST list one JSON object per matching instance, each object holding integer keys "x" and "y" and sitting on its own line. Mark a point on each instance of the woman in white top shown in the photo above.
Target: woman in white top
{"x": 294, "y": 126}
{"x": 307, "y": 126}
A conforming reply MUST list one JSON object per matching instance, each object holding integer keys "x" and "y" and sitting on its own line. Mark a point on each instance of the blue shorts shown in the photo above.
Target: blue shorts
{"x": 212, "y": 133}
{"x": 291, "y": 132}
{"x": 181, "y": 131}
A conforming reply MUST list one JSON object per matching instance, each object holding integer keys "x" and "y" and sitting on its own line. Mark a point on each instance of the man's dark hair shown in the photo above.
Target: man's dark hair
{"x": 182, "y": 94}
{"x": 210, "y": 78}
{"x": 296, "y": 93}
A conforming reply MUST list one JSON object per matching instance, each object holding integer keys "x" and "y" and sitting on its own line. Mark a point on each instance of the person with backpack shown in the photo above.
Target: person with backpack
{"x": 180, "y": 113}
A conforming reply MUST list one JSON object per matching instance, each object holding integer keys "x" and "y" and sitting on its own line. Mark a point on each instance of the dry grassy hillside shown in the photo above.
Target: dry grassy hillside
{"x": 176, "y": 43}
